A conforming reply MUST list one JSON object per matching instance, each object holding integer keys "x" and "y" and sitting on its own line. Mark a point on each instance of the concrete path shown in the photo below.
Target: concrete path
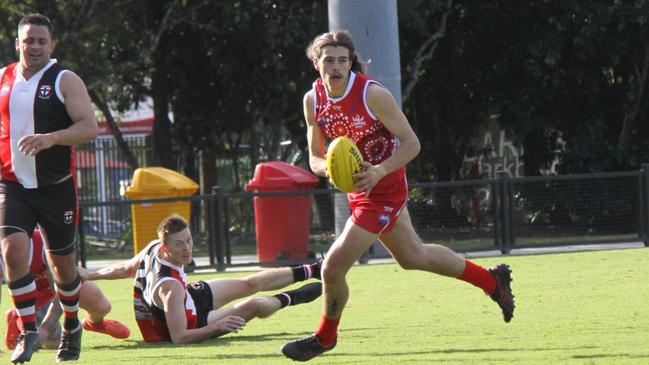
{"x": 252, "y": 259}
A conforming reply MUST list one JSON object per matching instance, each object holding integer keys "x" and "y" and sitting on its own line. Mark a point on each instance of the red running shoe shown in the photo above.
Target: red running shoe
{"x": 107, "y": 326}
{"x": 13, "y": 331}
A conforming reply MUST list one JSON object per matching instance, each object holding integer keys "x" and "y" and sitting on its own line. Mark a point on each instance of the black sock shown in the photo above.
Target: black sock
{"x": 301, "y": 273}
{"x": 301, "y": 295}
{"x": 69, "y": 294}
{"x": 306, "y": 271}
{"x": 284, "y": 298}
{"x": 23, "y": 294}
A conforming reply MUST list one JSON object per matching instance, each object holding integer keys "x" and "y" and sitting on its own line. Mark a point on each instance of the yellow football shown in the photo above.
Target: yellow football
{"x": 343, "y": 161}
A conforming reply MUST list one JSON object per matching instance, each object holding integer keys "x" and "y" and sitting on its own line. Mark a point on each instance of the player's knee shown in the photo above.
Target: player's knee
{"x": 410, "y": 263}
{"x": 262, "y": 306}
{"x": 252, "y": 283}
{"x": 332, "y": 273}
{"x": 251, "y": 307}
{"x": 18, "y": 262}
{"x": 103, "y": 308}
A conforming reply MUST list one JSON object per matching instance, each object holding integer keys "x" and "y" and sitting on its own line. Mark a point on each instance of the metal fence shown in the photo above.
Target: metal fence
{"x": 475, "y": 215}
{"x": 102, "y": 171}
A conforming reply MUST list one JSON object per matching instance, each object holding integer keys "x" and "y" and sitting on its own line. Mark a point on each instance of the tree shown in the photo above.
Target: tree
{"x": 245, "y": 78}
{"x": 576, "y": 88}
{"x": 84, "y": 45}
{"x": 444, "y": 46}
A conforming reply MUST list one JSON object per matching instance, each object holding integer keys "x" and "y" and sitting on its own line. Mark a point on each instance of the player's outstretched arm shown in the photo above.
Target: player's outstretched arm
{"x": 170, "y": 295}
{"x": 120, "y": 270}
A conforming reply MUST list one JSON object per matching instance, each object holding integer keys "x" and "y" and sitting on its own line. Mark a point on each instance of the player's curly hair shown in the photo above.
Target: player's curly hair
{"x": 170, "y": 225}
{"x": 338, "y": 38}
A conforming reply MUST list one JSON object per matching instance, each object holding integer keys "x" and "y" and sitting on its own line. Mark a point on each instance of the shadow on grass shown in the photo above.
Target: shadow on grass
{"x": 212, "y": 342}
{"x": 279, "y": 337}
{"x": 602, "y": 356}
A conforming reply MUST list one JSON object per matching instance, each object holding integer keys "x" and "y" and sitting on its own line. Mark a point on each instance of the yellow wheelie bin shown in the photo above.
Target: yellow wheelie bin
{"x": 156, "y": 183}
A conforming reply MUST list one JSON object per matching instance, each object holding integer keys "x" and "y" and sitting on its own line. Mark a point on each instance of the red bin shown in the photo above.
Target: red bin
{"x": 282, "y": 223}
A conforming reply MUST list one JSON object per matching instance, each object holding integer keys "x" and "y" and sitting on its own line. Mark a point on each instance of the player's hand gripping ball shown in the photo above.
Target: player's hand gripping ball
{"x": 343, "y": 161}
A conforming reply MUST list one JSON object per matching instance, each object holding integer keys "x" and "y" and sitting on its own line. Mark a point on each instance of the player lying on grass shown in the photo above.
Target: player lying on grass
{"x": 48, "y": 309}
{"x": 168, "y": 308}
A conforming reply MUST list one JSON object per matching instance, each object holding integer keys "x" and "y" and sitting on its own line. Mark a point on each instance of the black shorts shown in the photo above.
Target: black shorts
{"x": 202, "y": 296}
{"x": 53, "y": 208}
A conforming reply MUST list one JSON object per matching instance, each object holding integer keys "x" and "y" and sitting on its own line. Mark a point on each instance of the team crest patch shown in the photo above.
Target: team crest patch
{"x": 358, "y": 121}
{"x": 45, "y": 92}
{"x": 68, "y": 217}
{"x": 384, "y": 219}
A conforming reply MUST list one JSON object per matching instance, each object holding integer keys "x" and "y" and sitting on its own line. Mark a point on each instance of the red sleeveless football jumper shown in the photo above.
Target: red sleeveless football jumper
{"x": 350, "y": 116}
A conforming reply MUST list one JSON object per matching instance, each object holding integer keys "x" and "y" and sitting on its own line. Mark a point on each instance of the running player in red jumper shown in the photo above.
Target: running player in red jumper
{"x": 345, "y": 102}
{"x": 44, "y": 111}
{"x": 48, "y": 310}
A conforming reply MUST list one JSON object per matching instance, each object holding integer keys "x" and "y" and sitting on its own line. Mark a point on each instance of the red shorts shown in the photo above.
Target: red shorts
{"x": 379, "y": 212}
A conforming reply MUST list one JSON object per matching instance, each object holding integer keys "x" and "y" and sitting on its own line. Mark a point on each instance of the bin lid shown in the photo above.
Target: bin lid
{"x": 279, "y": 175}
{"x": 159, "y": 182}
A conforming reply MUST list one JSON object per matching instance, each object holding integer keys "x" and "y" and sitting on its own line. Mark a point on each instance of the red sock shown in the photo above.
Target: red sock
{"x": 327, "y": 330}
{"x": 478, "y": 276}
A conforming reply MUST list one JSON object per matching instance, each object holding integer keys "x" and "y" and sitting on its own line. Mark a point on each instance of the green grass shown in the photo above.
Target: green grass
{"x": 573, "y": 308}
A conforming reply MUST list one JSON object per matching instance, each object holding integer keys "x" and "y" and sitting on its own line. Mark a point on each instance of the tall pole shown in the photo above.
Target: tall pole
{"x": 375, "y": 31}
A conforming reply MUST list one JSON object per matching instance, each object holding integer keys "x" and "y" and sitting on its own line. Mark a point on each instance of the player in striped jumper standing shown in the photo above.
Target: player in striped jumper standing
{"x": 44, "y": 111}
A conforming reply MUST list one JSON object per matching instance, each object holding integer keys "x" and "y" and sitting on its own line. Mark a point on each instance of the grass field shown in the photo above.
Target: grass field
{"x": 572, "y": 308}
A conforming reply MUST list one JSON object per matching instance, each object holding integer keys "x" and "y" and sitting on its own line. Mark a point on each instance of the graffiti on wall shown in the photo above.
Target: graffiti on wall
{"x": 498, "y": 154}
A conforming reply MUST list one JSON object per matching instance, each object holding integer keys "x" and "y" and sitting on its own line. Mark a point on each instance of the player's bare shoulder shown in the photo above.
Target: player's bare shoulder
{"x": 377, "y": 94}
{"x": 71, "y": 82}
{"x": 308, "y": 102}
{"x": 308, "y": 99}
{"x": 380, "y": 101}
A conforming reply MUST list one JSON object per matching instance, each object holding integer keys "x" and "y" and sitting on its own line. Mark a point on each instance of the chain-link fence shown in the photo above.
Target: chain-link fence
{"x": 475, "y": 215}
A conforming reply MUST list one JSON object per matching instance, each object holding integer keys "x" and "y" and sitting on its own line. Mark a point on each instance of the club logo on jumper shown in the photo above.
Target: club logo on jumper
{"x": 358, "y": 121}
{"x": 68, "y": 217}
{"x": 45, "y": 92}
{"x": 384, "y": 219}
{"x": 388, "y": 209}
{"x": 5, "y": 90}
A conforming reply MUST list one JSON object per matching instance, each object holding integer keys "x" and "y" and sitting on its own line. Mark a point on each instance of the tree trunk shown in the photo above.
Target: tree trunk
{"x": 632, "y": 112}
{"x": 208, "y": 179}
{"x": 190, "y": 169}
{"x": 426, "y": 52}
{"x": 162, "y": 145}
